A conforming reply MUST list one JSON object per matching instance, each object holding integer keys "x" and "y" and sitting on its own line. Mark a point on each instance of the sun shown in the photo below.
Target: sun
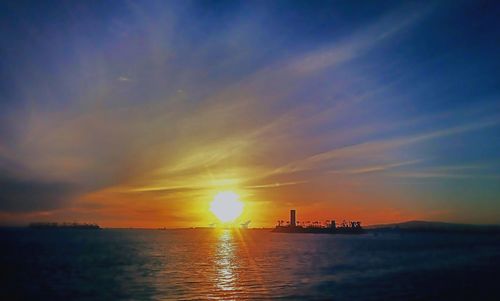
{"x": 226, "y": 206}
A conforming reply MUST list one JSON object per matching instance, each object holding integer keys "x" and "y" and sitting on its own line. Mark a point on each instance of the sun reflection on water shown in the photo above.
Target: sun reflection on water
{"x": 225, "y": 262}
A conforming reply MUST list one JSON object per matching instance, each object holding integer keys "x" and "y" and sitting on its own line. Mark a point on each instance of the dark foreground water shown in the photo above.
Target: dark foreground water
{"x": 252, "y": 264}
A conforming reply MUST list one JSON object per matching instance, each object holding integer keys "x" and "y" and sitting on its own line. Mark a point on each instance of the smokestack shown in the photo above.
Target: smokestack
{"x": 292, "y": 218}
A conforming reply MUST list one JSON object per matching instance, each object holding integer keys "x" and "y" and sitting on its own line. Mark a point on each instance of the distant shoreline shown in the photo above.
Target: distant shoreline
{"x": 407, "y": 227}
{"x": 53, "y": 225}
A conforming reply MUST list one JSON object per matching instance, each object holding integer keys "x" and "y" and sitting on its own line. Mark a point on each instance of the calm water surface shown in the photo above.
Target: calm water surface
{"x": 252, "y": 264}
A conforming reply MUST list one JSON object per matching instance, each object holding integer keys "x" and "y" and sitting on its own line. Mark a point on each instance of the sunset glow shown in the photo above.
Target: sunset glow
{"x": 250, "y": 150}
{"x": 137, "y": 115}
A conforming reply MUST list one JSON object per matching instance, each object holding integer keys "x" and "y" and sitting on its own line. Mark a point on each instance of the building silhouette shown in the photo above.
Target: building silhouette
{"x": 293, "y": 221}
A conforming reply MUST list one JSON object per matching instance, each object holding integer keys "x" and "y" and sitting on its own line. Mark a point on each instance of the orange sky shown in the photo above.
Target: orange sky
{"x": 138, "y": 116}
{"x": 117, "y": 207}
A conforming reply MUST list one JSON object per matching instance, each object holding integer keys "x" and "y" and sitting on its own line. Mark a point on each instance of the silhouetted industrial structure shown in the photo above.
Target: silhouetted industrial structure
{"x": 329, "y": 227}
{"x": 292, "y": 218}
{"x": 245, "y": 224}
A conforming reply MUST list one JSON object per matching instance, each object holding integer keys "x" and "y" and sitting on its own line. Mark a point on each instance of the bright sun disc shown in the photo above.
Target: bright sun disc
{"x": 226, "y": 206}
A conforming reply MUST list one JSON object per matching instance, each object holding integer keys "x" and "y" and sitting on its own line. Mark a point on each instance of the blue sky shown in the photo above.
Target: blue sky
{"x": 379, "y": 110}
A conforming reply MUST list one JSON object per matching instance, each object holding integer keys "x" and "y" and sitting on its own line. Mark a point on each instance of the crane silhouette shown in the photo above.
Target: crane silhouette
{"x": 245, "y": 224}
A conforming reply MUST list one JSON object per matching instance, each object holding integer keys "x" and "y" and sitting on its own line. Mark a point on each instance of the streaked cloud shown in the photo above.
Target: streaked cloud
{"x": 163, "y": 107}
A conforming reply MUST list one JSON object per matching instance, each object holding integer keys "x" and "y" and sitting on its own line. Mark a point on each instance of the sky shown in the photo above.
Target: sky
{"x": 137, "y": 113}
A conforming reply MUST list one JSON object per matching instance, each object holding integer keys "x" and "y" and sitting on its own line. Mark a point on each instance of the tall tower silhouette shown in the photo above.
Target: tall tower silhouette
{"x": 292, "y": 218}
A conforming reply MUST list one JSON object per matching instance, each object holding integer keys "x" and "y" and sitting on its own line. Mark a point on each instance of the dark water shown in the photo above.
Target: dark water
{"x": 255, "y": 264}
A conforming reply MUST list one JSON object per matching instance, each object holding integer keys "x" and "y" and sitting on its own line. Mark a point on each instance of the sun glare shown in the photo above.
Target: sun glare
{"x": 226, "y": 206}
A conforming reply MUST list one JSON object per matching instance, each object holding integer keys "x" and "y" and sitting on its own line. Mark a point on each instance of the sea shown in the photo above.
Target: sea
{"x": 252, "y": 264}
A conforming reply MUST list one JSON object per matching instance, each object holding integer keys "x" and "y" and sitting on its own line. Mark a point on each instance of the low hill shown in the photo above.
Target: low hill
{"x": 432, "y": 226}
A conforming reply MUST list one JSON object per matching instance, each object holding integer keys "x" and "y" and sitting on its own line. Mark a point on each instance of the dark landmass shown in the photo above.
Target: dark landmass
{"x": 83, "y": 226}
{"x": 427, "y": 226}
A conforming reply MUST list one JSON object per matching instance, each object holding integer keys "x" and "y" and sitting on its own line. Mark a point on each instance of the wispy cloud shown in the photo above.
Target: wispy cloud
{"x": 374, "y": 168}
{"x": 172, "y": 117}
{"x": 471, "y": 171}
{"x": 357, "y": 43}
{"x": 124, "y": 79}
{"x": 275, "y": 185}
{"x": 367, "y": 149}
